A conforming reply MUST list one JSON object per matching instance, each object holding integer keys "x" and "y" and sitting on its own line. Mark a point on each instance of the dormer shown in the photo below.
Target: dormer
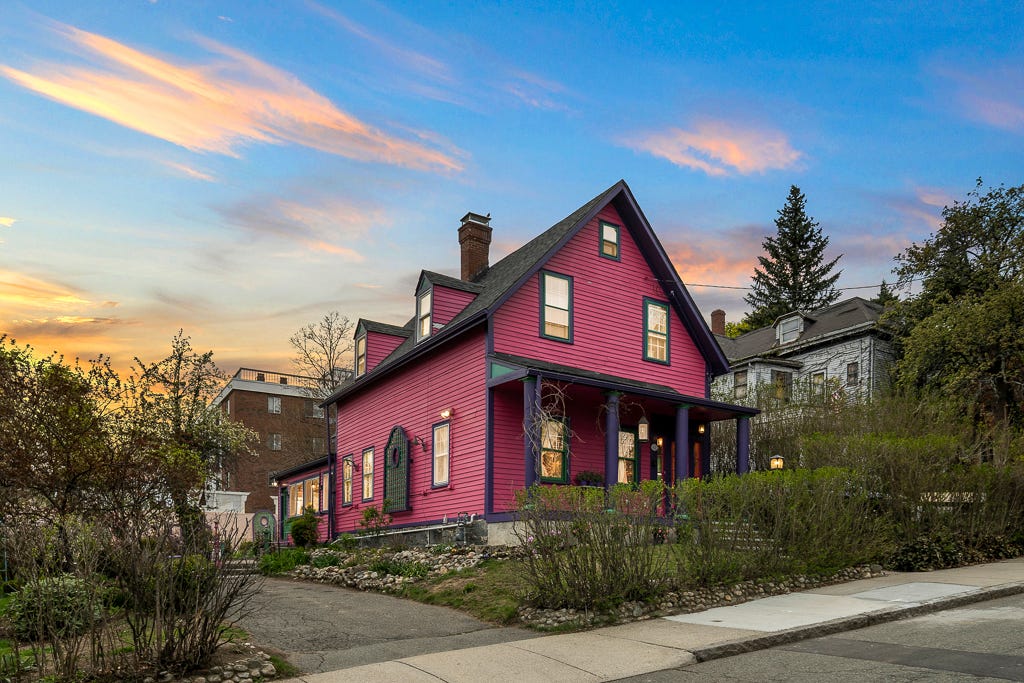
{"x": 789, "y": 327}
{"x": 374, "y": 342}
{"x": 439, "y": 299}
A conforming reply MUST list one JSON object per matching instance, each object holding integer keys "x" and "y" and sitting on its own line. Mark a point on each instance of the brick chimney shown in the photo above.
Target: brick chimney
{"x": 718, "y": 321}
{"x": 475, "y": 240}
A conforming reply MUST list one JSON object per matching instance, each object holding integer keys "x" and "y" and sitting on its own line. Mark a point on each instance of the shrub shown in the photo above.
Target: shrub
{"x": 347, "y": 542}
{"x": 325, "y": 558}
{"x": 589, "y": 478}
{"x": 375, "y": 520}
{"x": 306, "y": 529}
{"x": 384, "y": 565}
{"x": 52, "y": 607}
{"x": 282, "y": 561}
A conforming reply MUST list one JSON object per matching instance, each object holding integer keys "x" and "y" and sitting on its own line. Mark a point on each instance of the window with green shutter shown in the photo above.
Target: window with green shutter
{"x": 396, "y": 471}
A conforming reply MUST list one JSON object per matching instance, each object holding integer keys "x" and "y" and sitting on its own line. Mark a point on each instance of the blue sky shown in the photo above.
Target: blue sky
{"x": 238, "y": 169}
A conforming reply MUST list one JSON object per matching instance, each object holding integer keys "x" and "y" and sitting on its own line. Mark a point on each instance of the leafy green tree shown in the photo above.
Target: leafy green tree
{"x": 733, "y": 330}
{"x": 793, "y": 275}
{"x": 961, "y": 334}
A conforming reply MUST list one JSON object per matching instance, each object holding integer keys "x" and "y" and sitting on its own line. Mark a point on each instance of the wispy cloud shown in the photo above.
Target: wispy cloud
{"x": 719, "y": 148}
{"x": 534, "y": 91}
{"x": 724, "y": 258}
{"x": 320, "y": 223}
{"x": 23, "y": 290}
{"x": 189, "y": 172}
{"x": 923, "y": 206}
{"x": 7, "y": 221}
{"x": 992, "y": 94}
{"x": 220, "y": 106}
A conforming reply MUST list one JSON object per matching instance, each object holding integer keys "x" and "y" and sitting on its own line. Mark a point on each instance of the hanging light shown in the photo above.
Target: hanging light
{"x": 643, "y": 429}
{"x": 777, "y": 462}
{"x": 700, "y": 429}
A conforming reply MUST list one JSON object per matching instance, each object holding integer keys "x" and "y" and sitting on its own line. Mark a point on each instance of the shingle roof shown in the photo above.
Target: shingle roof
{"x": 830, "y": 320}
{"x": 451, "y": 282}
{"x": 505, "y": 276}
{"x": 384, "y": 328}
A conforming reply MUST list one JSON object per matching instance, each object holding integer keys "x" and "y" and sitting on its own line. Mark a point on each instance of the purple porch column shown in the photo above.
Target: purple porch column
{"x": 611, "y": 439}
{"x": 742, "y": 445}
{"x": 682, "y": 442}
{"x": 530, "y": 431}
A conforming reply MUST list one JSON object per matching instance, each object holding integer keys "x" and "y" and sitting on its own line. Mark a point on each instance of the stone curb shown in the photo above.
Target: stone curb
{"x": 827, "y": 628}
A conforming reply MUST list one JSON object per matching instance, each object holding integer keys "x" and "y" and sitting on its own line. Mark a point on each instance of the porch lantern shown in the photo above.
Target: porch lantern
{"x": 700, "y": 429}
{"x": 643, "y": 430}
{"x": 777, "y": 462}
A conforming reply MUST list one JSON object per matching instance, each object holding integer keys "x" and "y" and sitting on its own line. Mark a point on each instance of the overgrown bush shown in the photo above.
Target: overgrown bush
{"x": 283, "y": 560}
{"x": 52, "y": 607}
{"x": 347, "y": 542}
{"x": 383, "y": 565}
{"x": 587, "y": 549}
{"x": 376, "y": 520}
{"x": 306, "y": 529}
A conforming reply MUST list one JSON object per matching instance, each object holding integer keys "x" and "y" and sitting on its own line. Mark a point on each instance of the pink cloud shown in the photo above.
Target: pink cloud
{"x": 220, "y": 106}
{"x": 719, "y": 148}
{"x": 993, "y": 95}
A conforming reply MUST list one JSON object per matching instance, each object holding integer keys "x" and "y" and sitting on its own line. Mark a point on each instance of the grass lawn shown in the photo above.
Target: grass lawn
{"x": 491, "y": 592}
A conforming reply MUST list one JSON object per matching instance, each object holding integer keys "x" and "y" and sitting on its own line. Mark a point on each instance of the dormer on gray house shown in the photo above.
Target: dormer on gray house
{"x": 838, "y": 348}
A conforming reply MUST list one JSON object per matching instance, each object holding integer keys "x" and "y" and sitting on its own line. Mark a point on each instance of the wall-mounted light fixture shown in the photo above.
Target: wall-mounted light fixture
{"x": 643, "y": 430}
{"x": 777, "y": 462}
{"x": 700, "y": 429}
{"x": 446, "y": 413}
{"x": 419, "y": 440}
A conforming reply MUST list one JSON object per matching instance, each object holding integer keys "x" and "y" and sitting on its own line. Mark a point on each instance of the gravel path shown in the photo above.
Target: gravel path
{"x": 322, "y": 628}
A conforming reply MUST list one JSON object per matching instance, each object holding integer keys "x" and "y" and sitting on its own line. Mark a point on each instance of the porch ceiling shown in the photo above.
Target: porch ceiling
{"x": 701, "y": 409}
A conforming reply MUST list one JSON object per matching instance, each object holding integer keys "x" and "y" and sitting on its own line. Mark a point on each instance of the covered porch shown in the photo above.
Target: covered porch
{"x": 573, "y": 422}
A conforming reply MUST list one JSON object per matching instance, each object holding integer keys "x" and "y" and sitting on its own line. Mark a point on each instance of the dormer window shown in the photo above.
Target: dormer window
{"x": 790, "y": 328}
{"x": 360, "y": 355}
{"x": 423, "y": 315}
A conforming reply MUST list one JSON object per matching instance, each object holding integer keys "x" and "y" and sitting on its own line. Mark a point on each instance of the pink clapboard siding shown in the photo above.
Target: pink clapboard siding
{"x": 586, "y": 441}
{"x": 451, "y": 377}
{"x": 448, "y": 303}
{"x": 379, "y": 346}
{"x": 608, "y": 316}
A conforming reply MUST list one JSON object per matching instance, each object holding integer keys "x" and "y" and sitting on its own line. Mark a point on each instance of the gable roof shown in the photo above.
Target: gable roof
{"x": 849, "y": 316}
{"x": 504, "y": 278}
{"x": 383, "y": 328}
{"x": 448, "y": 281}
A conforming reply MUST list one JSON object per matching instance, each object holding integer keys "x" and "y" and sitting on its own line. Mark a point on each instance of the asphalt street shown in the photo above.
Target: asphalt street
{"x": 980, "y": 642}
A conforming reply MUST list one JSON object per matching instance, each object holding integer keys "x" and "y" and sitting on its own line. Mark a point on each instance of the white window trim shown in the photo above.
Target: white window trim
{"x": 447, "y": 455}
{"x": 422, "y": 317}
{"x": 274, "y": 405}
{"x": 367, "y": 472}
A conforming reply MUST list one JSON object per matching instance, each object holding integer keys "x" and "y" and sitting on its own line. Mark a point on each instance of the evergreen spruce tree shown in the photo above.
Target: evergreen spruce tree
{"x": 886, "y": 295}
{"x": 793, "y": 275}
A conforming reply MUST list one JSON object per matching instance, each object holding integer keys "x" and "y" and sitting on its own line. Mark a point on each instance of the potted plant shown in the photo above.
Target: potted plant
{"x": 589, "y": 478}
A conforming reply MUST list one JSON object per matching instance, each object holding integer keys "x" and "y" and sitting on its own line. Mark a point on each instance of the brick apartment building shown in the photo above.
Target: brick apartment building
{"x": 292, "y": 429}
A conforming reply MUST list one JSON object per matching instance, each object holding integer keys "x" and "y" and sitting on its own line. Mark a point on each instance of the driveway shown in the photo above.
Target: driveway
{"x": 319, "y": 628}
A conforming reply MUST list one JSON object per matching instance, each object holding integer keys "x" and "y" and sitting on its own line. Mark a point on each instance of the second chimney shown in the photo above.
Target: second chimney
{"x": 475, "y": 240}
{"x": 718, "y": 322}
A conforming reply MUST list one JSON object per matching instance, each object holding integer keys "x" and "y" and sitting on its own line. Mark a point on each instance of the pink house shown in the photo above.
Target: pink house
{"x": 580, "y": 352}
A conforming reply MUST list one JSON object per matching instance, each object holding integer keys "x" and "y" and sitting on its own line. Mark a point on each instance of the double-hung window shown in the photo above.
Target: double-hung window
{"x": 423, "y": 304}
{"x": 783, "y": 383}
{"x": 346, "y": 480}
{"x": 360, "y": 356}
{"x": 556, "y": 306}
{"x": 818, "y": 384}
{"x": 274, "y": 442}
{"x": 442, "y": 453}
{"x": 739, "y": 384}
{"x": 655, "y": 331}
{"x": 274, "y": 405}
{"x": 325, "y": 491}
{"x": 852, "y": 374}
{"x": 609, "y": 240}
{"x": 554, "y": 450}
{"x": 367, "y": 474}
{"x": 628, "y": 448}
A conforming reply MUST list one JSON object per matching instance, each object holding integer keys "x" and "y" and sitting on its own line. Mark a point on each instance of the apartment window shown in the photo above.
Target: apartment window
{"x": 361, "y": 356}
{"x": 346, "y": 480}
{"x": 554, "y": 450}
{"x": 556, "y": 309}
{"x": 274, "y": 442}
{"x": 655, "y": 331}
{"x": 274, "y": 405}
{"x": 442, "y": 453}
{"x": 367, "y": 474}
{"x": 852, "y": 374}
{"x": 783, "y": 383}
{"x": 423, "y": 315}
{"x": 628, "y": 447}
{"x": 227, "y": 406}
{"x": 818, "y": 384}
{"x": 325, "y": 491}
{"x": 790, "y": 329}
{"x": 739, "y": 384}
{"x": 318, "y": 445}
{"x": 314, "y": 410}
{"x": 609, "y": 240}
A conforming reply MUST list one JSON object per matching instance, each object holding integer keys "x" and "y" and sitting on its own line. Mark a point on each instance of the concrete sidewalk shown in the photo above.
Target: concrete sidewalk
{"x": 668, "y": 642}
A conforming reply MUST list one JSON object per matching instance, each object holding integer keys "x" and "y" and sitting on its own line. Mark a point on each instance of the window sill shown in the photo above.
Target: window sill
{"x": 443, "y": 487}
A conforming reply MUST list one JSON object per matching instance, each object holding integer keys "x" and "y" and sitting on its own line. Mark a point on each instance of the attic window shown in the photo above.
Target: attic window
{"x": 609, "y": 240}
{"x": 360, "y": 355}
{"x": 423, "y": 315}
{"x": 790, "y": 329}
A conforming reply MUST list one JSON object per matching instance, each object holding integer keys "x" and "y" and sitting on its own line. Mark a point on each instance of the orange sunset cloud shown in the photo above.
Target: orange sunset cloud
{"x": 215, "y": 107}
{"x": 719, "y": 148}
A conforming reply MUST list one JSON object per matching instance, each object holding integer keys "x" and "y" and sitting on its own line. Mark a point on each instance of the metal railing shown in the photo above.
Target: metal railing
{"x": 252, "y": 375}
